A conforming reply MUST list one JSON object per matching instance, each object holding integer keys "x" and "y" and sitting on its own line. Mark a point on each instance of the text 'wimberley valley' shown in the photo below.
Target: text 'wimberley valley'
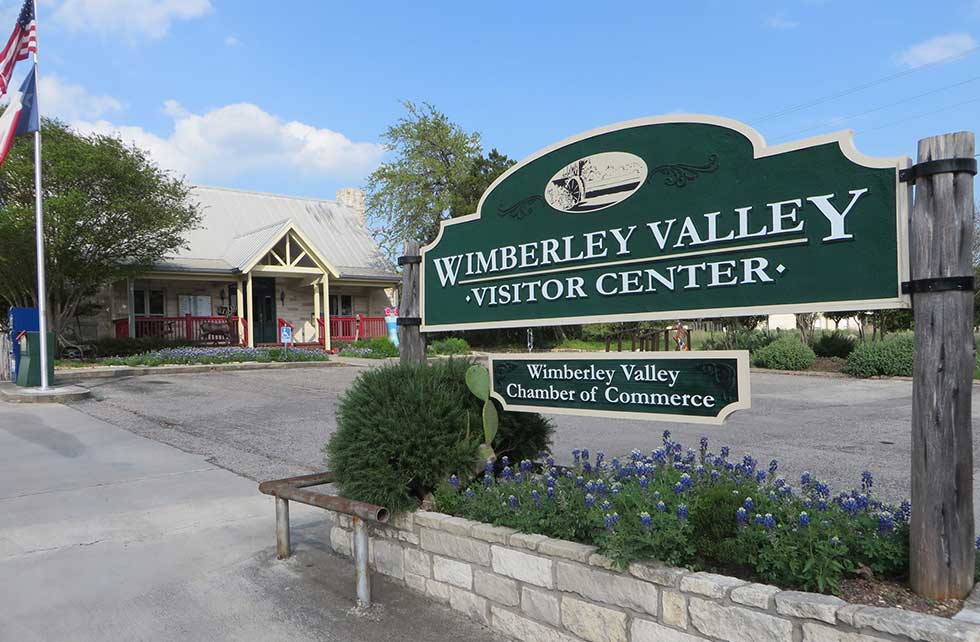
{"x": 779, "y": 219}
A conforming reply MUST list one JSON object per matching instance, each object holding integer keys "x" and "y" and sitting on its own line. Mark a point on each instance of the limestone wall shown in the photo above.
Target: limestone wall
{"x": 535, "y": 589}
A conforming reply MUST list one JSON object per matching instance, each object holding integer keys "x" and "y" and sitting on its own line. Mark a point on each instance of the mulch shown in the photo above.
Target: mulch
{"x": 881, "y": 593}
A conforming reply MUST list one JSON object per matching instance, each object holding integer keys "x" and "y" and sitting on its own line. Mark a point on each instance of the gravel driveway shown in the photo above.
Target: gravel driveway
{"x": 268, "y": 424}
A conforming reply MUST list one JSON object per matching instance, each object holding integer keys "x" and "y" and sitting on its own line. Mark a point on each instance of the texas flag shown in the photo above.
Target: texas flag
{"x": 21, "y": 116}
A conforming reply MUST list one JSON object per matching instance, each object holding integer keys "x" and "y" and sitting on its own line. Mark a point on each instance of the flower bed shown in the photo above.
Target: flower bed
{"x": 380, "y": 348}
{"x": 196, "y": 355}
{"x": 698, "y": 510}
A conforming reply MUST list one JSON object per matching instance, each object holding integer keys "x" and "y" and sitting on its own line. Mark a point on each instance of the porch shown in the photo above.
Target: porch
{"x": 214, "y": 330}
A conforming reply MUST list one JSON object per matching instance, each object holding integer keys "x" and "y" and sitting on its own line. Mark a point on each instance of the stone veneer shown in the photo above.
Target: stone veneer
{"x": 535, "y": 589}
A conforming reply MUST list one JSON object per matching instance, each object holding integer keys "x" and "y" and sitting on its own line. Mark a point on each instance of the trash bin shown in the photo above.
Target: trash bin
{"x": 29, "y": 370}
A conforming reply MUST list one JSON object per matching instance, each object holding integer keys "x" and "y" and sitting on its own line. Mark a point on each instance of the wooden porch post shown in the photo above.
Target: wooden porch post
{"x": 316, "y": 310}
{"x": 326, "y": 312}
{"x": 251, "y": 317}
{"x": 240, "y": 311}
{"x": 131, "y": 307}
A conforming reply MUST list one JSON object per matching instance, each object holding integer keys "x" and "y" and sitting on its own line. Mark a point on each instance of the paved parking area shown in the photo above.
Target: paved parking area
{"x": 274, "y": 424}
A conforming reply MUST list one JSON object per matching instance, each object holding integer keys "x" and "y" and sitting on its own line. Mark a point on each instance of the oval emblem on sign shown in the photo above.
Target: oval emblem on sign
{"x": 595, "y": 182}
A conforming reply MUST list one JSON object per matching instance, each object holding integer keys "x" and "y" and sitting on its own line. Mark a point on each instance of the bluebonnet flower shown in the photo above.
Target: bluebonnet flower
{"x": 615, "y": 463}
{"x": 662, "y": 507}
{"x": 821, "y": 504}
{"x": 512, "y": 501}
{"x": 469, "y": 492}
{"x": 686, "y": 481}
{"x": 605, "y": 505}
{"x": 616, "y": 487}
{"x": 590, "y": 486}
{"x": 905, "y": 510}
{"x": 786, "y": 490}
{"x": 749, "y": 503}
{"x": 569, "y": 474}
{"x": 682, "y": 512}
{"x": 772, "y": 494}
{"x": 725, "y": 452}
{"x": 576, "y": 453}
{"x": 488, "y": 468}
{"x": 867, "y": 481}
{"x": 636, "y": 455}
{"x": 850, "y": 505}
{"x": 715, "y": 475}
{"x": 769, "y": 521}
{"x": 666, "y": 437}
{"x": 779, "y": 483}
{"x": 585, "y": 453}
{"x": 760, "y": 476}
{"x": 805, "y": 478}
{"x": 550, "y": 482}
{"x": 488, "y": 479}
{"x": 678, "y": 488}
{"x": 729, "y": 466}
{"x": 507, "y": 473}
{"x": 553, "y": 473}
{"x": 704, "y": 444}
{"x": 551, "y": 492}
{"x": 656, "y": 494}
{"x": 699, "y": 470}
{"x": 690, "y": 456}
{"x": 590, "y": 500}
{"x": 741, "y": 516}
{"x": 518, "y": 478}
{"x": 862, "y": 500}
{"x": 886, "y": 522}
{"x": 773, "y": 465}
{"x": 586, "y": 467}
{"x": 611, "y": 520}
{"x": 526, "y": 465}
{"x": 749, "y": 462}
{"x": 535, "y": 497}
{"x": 978, "y": 543}
{"x": 759, "y": 519}
{"x": 804, "y": 520}
{"x": 454, "y": 481}
{"x": 580, "y": 482}
{"x": 644, "y": 482}
{"x": 505, "y": 460}
{"x": 550, "y": 461}
{"x": 647, "y": 521}
{"x": 600, "y": 486}
{"x": 807, "y": 503}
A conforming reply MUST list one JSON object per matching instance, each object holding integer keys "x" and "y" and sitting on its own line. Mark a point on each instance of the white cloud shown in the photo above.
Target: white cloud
{"x": 937, "y": 49}
{"x": 781, "y": 22}
{"x": 232, "y": 41}
{"x": 73, "y": 102}
{"x": 229, "y": 141}
{"x": 131, "y": 18}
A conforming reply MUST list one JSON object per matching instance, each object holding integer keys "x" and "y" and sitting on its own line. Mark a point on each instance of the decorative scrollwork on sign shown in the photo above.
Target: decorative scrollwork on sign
{"x": 501, "y": 370}
{"x": 522, "y": 208}
{"x": 680, "y": 174}
{"x": 724, "y": 375}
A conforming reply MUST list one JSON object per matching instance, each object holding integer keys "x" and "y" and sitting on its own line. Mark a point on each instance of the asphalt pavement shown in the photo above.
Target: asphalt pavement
{"x": 106, "y": 535}
{"x": 265, "y": 425}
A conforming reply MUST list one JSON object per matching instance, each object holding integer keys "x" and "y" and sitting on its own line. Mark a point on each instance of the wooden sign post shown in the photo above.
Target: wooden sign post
{"x": 942, "y": 528}
{"x": 410, "y": 339}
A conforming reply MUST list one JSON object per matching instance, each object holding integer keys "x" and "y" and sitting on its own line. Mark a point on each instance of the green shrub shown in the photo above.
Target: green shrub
{"x": 449, "y": 346}
{"x": 379, "y": 348}
{"x": 788, "y": 353}
{"x": 889, "y": 358}
{"x": 751, "y": 340}
{"x": 124, "y": 346}
{"x": 403, "y": 429}
{"x": 836, "y": 344}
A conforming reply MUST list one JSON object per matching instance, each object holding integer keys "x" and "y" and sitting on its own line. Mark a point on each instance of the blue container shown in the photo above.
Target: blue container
{"x": 21, "y": 320}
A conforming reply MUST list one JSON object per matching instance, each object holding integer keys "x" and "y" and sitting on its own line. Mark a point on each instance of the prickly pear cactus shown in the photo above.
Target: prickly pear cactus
{"x": 478, "y": 381}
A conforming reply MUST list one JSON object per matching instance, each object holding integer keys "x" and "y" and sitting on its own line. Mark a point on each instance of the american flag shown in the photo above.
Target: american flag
{"x": 22, "y": 42}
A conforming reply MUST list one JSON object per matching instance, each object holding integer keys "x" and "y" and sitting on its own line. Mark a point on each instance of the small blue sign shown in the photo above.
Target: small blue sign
{"x": 285, "y": 335}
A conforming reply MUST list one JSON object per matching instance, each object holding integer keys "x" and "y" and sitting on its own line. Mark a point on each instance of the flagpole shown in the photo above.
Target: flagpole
{"x": 42, "y": 295}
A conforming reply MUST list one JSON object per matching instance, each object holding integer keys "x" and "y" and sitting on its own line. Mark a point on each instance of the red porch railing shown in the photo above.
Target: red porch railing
{"x": 185, "y": 328}
{"x": 351, "y": 328}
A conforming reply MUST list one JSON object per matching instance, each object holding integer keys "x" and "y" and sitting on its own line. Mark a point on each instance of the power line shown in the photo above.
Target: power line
{"x": 922, "y": 115}
{"x": 863, "y": 86}
{"x": 836, "y": 122}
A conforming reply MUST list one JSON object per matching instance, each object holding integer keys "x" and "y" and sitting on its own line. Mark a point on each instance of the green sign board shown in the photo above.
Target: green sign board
{"x": 673, "y": 217}
{"x": 698, "y": 387}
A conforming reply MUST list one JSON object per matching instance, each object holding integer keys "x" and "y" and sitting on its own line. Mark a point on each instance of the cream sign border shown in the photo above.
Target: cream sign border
{"x": 742, "y": 368}
{"x": 845, "y": 140}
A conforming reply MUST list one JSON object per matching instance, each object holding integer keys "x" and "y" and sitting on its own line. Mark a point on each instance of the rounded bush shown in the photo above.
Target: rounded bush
{"x": 836, "y": 344}
{"x": 402, "y": 430}
{"x": 449, "y": 346}
{"x": 889, "y": 358}
{"x": 788, "y": 353}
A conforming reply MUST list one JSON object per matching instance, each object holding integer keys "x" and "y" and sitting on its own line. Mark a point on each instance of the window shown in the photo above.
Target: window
{"x": 152, "y": 300}
{"x": 195, "y": 305}
{"x": 341, "y": 305}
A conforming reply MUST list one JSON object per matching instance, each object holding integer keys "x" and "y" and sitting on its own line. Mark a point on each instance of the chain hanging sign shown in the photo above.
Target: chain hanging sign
{"x": 694, "y": 387}
{"x": 673, "y": 217}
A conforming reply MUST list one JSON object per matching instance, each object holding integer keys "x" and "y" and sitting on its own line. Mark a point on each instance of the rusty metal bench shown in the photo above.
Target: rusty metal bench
{"x": 291, "y": 489}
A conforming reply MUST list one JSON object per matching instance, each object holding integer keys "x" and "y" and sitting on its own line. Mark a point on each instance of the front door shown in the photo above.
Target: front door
{"x": 264, "y": 305}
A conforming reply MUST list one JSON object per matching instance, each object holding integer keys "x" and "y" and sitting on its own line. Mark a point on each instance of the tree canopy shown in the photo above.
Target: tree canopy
{"x": 109, "y": 213}
{"x": 439, "y": 171}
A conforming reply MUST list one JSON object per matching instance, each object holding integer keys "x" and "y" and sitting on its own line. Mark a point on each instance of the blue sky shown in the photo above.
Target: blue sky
{"x": 239, "y": 94}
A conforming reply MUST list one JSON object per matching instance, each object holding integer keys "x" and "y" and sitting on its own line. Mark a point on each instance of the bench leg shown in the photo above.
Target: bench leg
{"x": 282, "y": 528}
{"x": 361, "y": 562}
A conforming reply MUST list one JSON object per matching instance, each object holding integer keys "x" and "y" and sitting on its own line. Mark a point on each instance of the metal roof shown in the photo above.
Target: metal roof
{"x": 237, "y": 224}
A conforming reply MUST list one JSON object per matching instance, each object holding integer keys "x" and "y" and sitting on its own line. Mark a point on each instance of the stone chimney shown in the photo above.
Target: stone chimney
{"x": 354, "y": 199}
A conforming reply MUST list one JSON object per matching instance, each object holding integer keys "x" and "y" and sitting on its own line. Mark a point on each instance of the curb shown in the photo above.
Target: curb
{"x": 115, "y": 372}
{"x": 57, "y": 394}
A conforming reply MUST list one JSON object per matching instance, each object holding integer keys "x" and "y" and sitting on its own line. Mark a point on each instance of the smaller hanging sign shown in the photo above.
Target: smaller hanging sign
{"x": 694, "y": 387}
